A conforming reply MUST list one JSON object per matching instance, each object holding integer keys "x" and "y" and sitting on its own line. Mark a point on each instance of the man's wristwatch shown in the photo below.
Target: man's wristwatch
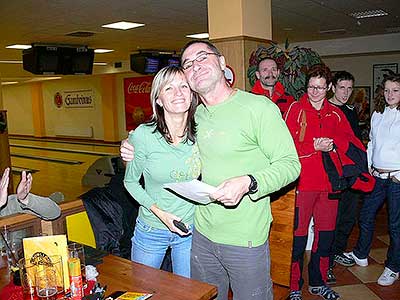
{"x": 253, "y": 187}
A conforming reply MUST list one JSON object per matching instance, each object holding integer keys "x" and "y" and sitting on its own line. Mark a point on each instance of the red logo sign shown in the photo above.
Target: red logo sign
{"x": 58, "y": 100}
{"x": 137, "y": 100}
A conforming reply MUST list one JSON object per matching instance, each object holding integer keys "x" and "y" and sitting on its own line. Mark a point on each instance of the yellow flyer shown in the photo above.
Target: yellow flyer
{"x": 134, "y": 296}
{"x": 38, "y": 249}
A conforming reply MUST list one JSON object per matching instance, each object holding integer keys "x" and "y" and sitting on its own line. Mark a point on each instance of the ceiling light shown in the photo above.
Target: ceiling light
{"x": 18, "y": 46}
{"x": 123, "y": 25}
{"x": 10, "y": 61}
{"x": 204, "y": 35}
{"x": 369, "y": 14}
{"x": 100, "y": 64}
{"x": 43, "y": 78}
{"x": 328, "y": 31}
{"x": 103, "y": 50}
{"x": 9, "y": 82}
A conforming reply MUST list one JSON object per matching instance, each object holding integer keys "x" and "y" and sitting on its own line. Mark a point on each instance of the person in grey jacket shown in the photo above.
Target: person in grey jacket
{"x": 24, "y": 201}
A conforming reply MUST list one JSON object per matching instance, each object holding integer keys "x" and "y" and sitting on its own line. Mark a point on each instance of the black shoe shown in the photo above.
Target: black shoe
{"x": 295, "y": 295}
{"x": 324, "y": 291}
{"x": 344, "y": 260}
{"x": 330, "y": 277}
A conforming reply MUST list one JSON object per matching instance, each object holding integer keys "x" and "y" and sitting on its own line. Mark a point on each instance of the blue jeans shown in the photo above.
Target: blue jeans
{"x": 384, "y": 189}
{"x": 149, "y": 245}
{"x": 245, "y": 270}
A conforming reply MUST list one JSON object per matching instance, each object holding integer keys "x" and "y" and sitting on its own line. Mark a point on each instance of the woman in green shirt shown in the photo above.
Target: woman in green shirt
{"x": 165, "y": 152}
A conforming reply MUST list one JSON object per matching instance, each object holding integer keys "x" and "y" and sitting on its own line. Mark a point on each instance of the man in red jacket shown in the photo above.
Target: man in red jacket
{"x": 267, "y": 84}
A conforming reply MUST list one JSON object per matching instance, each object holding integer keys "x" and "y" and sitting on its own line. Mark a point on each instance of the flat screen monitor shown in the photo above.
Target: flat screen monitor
{"x": 174, "y": 61}
{"x": 152, "y": 65}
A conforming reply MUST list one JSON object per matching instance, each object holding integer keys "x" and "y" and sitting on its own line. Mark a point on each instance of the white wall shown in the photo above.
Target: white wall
{"x": 73, "y": 120}
{"x": 361, "y": 66}
{"x": 356, "y": 45}
{"x": 18, "y": 103}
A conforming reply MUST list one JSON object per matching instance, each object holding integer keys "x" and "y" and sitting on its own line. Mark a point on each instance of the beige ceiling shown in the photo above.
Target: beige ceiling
{"x": 168, "y": 22}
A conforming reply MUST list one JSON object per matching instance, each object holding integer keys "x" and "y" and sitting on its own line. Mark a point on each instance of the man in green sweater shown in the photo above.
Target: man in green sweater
{"x": 246, "y": 151}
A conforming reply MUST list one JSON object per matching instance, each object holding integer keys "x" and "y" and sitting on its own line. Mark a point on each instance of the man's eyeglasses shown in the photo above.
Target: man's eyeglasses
{"x": 200, "y": 58}
{"x": 318, "y": 88}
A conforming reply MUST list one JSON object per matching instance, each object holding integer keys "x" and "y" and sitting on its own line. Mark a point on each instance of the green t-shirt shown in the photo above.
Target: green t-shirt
{"x": 243, "y": 135}
{"x": 160, "y": 163}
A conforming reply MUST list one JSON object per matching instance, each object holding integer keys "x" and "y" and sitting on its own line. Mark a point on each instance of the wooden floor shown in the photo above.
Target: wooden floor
{"x": 56, "y": 176}
{"x": 359, "y": 283}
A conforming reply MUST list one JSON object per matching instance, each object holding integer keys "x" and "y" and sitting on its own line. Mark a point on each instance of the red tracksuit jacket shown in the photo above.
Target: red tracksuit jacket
{"x": 328, "y": 122}
{"x": 279, "y": 97}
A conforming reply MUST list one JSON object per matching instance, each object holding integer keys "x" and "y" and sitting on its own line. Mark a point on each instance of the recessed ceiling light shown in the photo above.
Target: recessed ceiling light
{"x": 100, "y": 64}
{"x": 19, "y": 46}
{"x": 10, "y": 61}
{"x": 369, "y": 14}
{"x": 103, "y": 50}
{"x": 204, "y": 35}
{"x": 123, "y": 25}
{"x": 9, "y": 82}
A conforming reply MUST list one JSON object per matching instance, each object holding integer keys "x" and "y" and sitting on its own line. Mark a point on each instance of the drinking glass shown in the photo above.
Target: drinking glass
{"x": 27, "y": 273}
{"x": 75, "y": 250}
{"x": 46, "y": 283}
{"x": 57, "y": 265}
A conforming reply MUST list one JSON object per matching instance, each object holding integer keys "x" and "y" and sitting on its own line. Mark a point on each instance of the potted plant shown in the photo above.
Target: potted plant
{"x": 293, "y": 63}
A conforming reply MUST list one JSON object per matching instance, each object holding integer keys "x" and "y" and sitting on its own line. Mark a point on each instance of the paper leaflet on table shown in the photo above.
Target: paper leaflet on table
{"x": 134, "y": 296}
{"x": 194, "y": 190}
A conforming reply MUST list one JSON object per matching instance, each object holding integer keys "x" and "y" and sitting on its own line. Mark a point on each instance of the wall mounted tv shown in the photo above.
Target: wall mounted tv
{"x": 151, "y": 63}
{"x": 65, "y": 60}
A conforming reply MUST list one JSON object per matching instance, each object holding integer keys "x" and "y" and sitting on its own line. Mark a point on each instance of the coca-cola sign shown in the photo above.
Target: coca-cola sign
{"x": 142, "y": 88}
{"x": 137, "y": 100}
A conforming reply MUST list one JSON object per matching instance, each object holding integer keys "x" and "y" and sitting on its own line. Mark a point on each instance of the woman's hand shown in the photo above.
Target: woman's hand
{"x": 168, "y": 219}
{"x": 323, "y": 144}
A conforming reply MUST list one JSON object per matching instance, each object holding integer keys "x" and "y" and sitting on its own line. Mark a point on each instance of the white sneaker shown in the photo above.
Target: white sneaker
{"x": 388, "y": 277}
{"x": 362, "y": 262}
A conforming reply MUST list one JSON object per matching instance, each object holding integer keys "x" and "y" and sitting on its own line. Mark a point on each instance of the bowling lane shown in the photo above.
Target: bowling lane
{"x": 53, "y": 176}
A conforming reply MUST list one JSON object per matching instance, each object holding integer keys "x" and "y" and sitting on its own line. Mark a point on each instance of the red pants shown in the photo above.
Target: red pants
{"x": 323, "y": 210}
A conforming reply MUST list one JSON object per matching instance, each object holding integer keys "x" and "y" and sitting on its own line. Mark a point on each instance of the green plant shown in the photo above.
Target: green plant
{"x": 293, "y": 63}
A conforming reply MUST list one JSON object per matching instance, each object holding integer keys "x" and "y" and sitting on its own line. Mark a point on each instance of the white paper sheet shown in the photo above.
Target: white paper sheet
{"x": 194, "y": 190}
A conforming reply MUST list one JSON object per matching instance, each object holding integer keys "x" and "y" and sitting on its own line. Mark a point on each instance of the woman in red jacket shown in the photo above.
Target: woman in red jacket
{"x": 316, "y": 127}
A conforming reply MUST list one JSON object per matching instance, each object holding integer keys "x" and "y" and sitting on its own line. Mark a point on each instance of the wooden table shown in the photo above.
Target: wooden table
{"x": 124, "y": 275}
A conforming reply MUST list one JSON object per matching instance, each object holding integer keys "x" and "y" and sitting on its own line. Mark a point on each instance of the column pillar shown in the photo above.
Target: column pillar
{"x": 109, "y": 105}
{"x": 39, "y": 127}
{"x": 237, "y": 27}
{"x": 5, "y": 159}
